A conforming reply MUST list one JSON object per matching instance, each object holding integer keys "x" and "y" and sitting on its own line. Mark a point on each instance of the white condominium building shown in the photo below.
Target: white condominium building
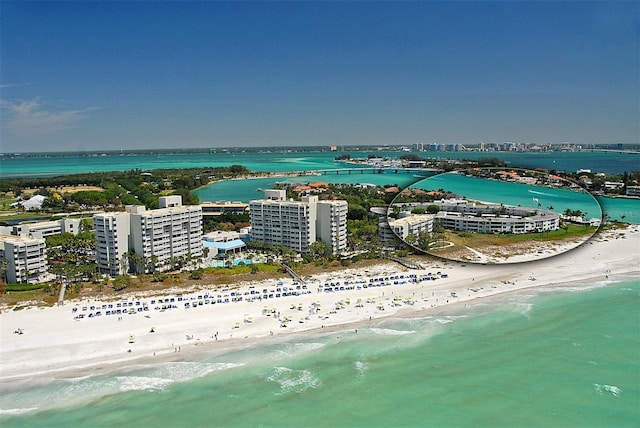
{"x": 112, "y": 232}
{"x": 414, "y": 224}
{"x": 458, "y": 214}
{"x": 25, "y": 258}
{"x": 385, "y": 233}
{"x": 491, "y": 223}
{"x": 331, "y": 224}
{"x": 167, "y": 233}
{"x": 160, "y": 235}
{"x": 44, "y": 229}
{"x": 633, "y": 190}
{"x": 298, "y": 224}
{"x": 282, "y": 222}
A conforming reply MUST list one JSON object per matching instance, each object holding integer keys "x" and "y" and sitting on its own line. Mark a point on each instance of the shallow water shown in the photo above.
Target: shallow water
{"x": 541, "y": 357}
{"x": 515, "y": 194}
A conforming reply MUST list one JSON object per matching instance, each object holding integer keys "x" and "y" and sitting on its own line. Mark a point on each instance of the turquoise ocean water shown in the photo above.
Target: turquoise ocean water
{"x": 540, "y": 357}
{"x": 608, "y": 162}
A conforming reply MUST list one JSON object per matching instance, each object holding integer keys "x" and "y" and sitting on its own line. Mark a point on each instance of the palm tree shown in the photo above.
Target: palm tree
{"x": 151, "y": 264}
{"x": 4, "y": 266}
{"x": 136, "y": 262}
{"x": 25, "y": 275}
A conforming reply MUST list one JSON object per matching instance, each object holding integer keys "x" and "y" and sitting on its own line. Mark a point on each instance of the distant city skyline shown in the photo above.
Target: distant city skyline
{"x": 85, "y": 76}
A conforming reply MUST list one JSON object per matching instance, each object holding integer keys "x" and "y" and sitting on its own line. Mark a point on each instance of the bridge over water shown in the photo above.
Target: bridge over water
{"x": 375, "y": 170}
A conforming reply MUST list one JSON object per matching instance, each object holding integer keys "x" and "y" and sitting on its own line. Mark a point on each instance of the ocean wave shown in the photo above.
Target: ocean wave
{"x": 141, "y": 383}
{"x": 455, "y": 317}
{"x": 573, "y": 289}
{"x": 614, "y": 390}
{"x": 185, "y": 371}
{"x": 390, "y": 332}
{"x": 448, "y": 319}
{"x": 523, "y": 308}
{"x": 293, "y": 380}
{"x": 17, "y": 411}
{"x": 58, "y": 393}
{"x": 362, "y": 367}
{"x": 295, "y": 349}
{"x": 85, "y": 388}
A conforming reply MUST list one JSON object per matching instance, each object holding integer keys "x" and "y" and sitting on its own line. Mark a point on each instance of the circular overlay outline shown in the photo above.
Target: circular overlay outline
{"x": 456, "y": 171}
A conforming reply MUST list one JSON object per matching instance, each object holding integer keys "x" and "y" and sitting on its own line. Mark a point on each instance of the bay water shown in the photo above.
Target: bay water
{"x": 515, "y": 194}
{"x": 563, "y": 356}
{"x": 47, "y": 165}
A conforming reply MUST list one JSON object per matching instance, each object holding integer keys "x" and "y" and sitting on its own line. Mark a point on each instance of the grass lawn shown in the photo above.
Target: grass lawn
{"x": 483, "y": 240}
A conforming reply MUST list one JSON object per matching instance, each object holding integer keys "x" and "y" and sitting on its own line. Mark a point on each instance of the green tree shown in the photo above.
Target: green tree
{"x": 356, "y": 212}
{"x": 238, "y": 169}
{"x": 196, "y": 274}
{"x": 188, "y": 198}
{"x": 151, "y": 264}
{"x": 136, "y": 262}
{"x": 121, "y": 282}
{"x": 4, "y": 266}
{"x": 320, "y": 249}
{"x": 86, "y": 225}
{"x": 53, "y": 203}
{"x": 424, "y": 241}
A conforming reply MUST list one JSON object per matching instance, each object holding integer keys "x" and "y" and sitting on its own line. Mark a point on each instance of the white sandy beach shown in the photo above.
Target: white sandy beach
{"x": 56, "y": 342}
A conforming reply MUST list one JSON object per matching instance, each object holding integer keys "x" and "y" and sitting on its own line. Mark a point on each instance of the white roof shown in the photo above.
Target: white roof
{"x": 35, "y": 202}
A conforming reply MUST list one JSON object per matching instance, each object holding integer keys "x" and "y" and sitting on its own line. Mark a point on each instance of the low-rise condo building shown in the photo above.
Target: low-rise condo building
{"x": 44, "y": 229}
{"x": 492, "y": 223}
{"x": 413, "y": 224}
{"x": 463, "y": 215}
{"x": 221, "y": 207}
{"x": 633, "y": 191}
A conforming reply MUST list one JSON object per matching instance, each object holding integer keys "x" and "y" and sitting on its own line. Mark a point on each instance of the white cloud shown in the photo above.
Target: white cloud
{"x": 12, "y": 85}
{"x": 32, "y": 118}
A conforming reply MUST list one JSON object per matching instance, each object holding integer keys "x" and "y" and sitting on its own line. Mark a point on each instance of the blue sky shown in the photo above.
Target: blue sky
{"x": 125, "y": 75}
